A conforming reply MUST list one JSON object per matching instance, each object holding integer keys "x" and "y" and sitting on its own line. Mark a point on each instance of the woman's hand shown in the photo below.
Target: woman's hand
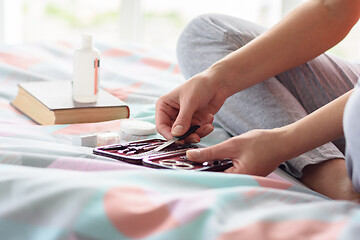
{"x": 194, "y": 102}
{"x": 260, "y": 152}
{"x": 257, "y": 152}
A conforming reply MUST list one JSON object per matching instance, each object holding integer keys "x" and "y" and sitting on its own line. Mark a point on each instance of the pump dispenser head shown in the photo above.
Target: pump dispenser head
{"x": 87, "y": 41}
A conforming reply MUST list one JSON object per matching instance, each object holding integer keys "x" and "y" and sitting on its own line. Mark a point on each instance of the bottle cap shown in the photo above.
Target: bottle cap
{"x": 87, "y": 41}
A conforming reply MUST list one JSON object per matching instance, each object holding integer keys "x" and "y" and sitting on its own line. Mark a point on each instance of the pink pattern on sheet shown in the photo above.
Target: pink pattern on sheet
{"x": 272, "y": 183}
{"x": 22, "y": 61}
{"x": 276, "y": 177}
{"x": 191, "y": 207}
{"x": 294, "y": 229}
{"x": 80, "y": 128}
{"x": 159, "y": 64}
{"x": 134, "y": 214}
{"x": 123, "y": 92}
{"x": 176, "y": 69}
{"x": 6, "y": 133}
{"x": 114, "y": 52}
{"x": 66, "y": 44}
{"x": 253, "y": 193}
{"x": 78, "y": 164}
{"x": 72, "y": 236}
{"x": 142, "y": 213}
{"x": 9, "y": 79}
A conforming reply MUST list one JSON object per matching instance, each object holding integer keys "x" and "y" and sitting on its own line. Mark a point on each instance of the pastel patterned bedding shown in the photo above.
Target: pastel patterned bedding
{"x": 52, "y": 189}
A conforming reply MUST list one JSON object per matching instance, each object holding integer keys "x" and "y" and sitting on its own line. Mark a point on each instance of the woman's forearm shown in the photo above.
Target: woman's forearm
{"x": 320, "y": 127}
{"x": 308, "y": 31}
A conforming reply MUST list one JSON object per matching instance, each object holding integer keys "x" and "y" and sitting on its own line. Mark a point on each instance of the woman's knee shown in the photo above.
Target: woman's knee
{"x": 198, "y": 46}
{"x": 218, "y": 28}
{"x": 201, "y": 27}
{"x": 210, "y": 37}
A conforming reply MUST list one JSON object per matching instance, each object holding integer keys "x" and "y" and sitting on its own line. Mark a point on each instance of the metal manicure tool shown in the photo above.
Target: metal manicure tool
{"x": 191, "y": 130}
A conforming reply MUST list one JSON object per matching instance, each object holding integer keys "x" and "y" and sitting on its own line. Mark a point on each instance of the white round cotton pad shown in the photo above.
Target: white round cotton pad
{"x": 137, "y": 127}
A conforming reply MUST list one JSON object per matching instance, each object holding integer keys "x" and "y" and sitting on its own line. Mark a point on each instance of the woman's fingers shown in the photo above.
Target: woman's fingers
{"x": 218, "y": 151}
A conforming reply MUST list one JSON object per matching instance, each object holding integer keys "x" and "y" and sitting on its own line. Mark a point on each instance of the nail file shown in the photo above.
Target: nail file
{"x": 191, "y": 130}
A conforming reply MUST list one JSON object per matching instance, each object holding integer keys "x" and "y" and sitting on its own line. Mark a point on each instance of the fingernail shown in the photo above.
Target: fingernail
{"x": 193, "y": 154}
{"x": 177, "y": 130}
{"x": 193, "y": 140}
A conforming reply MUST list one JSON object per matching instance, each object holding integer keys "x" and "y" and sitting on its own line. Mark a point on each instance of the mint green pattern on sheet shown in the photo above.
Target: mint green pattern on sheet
{"x": 51, "y": 189}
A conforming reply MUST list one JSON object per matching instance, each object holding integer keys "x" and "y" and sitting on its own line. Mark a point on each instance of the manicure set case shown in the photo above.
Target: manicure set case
{"x": 173, "y": 157}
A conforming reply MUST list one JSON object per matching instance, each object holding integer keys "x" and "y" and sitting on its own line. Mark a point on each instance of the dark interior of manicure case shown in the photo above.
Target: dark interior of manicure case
{"x": 173, "y": 157}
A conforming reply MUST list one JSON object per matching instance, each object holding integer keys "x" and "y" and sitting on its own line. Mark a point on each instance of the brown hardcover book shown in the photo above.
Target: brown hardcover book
{"x": 50, "y": 102}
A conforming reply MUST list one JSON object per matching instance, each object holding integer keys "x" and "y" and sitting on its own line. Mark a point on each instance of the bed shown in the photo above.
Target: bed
{"x": 53, "y": 189}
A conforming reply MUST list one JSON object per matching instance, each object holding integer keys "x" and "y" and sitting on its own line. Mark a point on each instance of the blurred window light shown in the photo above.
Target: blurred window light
{"x": 156, "y": 23}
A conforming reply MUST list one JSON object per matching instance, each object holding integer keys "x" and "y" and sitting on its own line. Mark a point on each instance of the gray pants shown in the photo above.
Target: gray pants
{"x": 277, "y": 101}
{"x": 352, "y": 135}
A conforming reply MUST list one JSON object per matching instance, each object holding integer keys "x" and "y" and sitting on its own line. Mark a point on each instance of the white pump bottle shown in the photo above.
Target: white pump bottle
{"x": 85, "y": 84}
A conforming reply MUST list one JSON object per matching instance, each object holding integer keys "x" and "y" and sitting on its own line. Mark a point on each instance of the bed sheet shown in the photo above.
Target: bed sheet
{"x": 51, "y": 189}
